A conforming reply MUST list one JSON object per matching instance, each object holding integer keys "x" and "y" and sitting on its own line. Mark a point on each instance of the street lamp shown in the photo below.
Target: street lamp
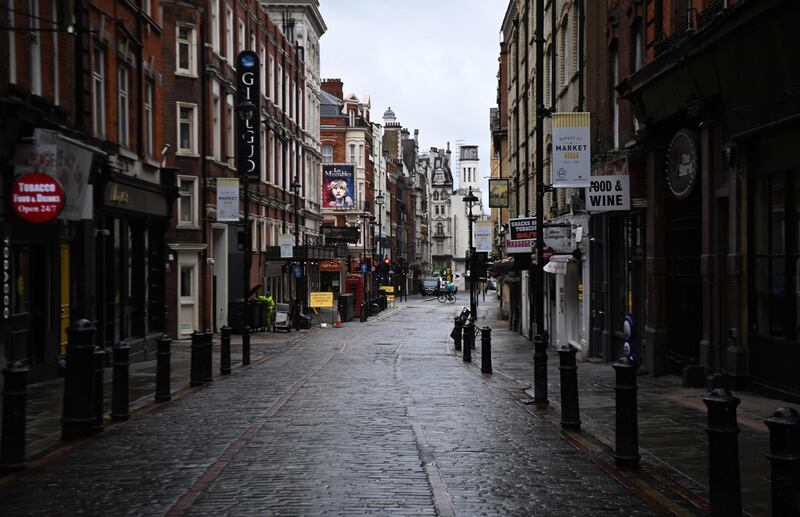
{"x": 295, "y": 186}
{"x": 246, "y": 111}
{"x": 471, "y": 199}
{"x": 365, "y": 216}
{"x": 379, "y": 204}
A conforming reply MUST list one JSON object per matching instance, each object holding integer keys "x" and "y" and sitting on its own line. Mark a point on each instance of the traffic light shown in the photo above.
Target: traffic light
{"x": 386, "y": 261}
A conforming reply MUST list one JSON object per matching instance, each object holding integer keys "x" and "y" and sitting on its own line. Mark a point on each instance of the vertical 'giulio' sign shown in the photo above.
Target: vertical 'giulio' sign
{"x": 248, "y": 120}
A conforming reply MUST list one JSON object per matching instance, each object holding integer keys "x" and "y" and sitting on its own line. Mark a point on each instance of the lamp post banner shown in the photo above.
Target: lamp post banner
{"x": 482, "y": 235}
{"x": 286, "y": 242}
{"x": 571, "y": 150}
{"x": 227, "y": 199}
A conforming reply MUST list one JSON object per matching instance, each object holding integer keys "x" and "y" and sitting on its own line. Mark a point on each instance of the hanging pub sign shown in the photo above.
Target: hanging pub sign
{"x": 571, "y": 150}
{"x": 227, "y": 199}
{"x": 608, "y": 193}
{"x": 682, "y": 164}
{"x": 37, "y": 197}
{"x": 498, "y": 193}
{"x": 248, "y": 121}
{"x": 521, "y": 235}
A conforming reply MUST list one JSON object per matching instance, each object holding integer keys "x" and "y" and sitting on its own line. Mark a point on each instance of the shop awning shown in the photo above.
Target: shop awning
{"x": 557, "y": 264}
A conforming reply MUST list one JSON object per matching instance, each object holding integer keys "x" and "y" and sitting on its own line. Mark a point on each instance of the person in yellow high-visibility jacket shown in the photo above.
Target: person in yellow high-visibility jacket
{"x": 270, "y": 310}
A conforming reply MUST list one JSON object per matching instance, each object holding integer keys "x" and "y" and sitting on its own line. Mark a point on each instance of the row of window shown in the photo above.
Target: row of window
{"x": 356, "y": 158}
{"x": 286, "y": 98}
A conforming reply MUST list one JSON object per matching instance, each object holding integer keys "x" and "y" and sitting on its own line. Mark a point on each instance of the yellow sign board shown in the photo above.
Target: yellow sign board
{"x": 389, "y": 297}
{"x": 387, "y": 288}
{"x": 321, "y": 299}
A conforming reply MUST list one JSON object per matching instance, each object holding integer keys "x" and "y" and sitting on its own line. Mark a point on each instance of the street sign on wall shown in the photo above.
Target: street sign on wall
{"x": 37, "y": 197}
{"x": 521, "y": 235}
{"x": 608, "y": 193}
{"x": 248, "y": 128}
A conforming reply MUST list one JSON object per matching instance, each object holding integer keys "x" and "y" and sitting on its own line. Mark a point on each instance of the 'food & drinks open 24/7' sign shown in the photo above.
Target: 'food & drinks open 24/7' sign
{"x": 37, "y": 197}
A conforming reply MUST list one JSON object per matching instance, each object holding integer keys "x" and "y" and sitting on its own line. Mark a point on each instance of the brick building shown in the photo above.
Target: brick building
{"x": 80, "y": 89}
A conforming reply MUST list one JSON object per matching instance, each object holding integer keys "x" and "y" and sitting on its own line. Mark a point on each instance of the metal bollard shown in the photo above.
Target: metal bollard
{"x": 469, "y": 339}
{"x": 784, "y": 457}
{"x": 77, "y": 420}
{"x": 196, "y": 360}
{"x": 246, "y": 345}
{"x": 120, "y": 360}
{"x": 12, "y": 440}
{"x": 570, "y": 410}
{"x": 725, "y": 491}
{"x": 208, "y": 356}
{"x": 225, "y": 351}
{"x": 540, "y": 369}
{"x": 457, "y": 333}
{"x": 626, "y": 451}
{"x": 486, "y": 350}
{"x": 98, "y": 373}
{"x": 163, "y": 354}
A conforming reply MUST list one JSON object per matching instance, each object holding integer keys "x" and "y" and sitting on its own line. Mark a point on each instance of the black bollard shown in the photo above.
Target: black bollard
{"x": 196, "y": 360}
{"x": 540, "y": 369}
{"x": 458, "y": 331}
{"x": 784, "y": 457}
{"x": 120, "y": 360}
{"x": 208, "y": 356}
{"x": 98, "y": 373}
{"x": 12, "y": 440}
{"x": 626, "y": 452}
{"x": 469, "y": 339}
{"x": 245, "y": 345}
{"x": 486, "y": 350}
{"x": 77, "y": 419}
{"x": 570, "y": 410}
{"x": 163, "y": 355}
{"x": 225, "y": 351}
{"x": 724, "y": 483}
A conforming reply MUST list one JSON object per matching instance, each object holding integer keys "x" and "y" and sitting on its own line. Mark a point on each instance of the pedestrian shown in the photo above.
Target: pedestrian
{"x": 270, "y": 310}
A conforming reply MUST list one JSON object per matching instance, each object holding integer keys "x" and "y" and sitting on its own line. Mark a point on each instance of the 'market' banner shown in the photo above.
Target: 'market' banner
{"x": 228, "y": 199}
{"x": 571, "y": 150}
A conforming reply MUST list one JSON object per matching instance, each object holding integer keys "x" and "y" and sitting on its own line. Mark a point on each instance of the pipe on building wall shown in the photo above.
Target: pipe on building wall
{"x": 516, "y": 115}
{"x": 527, "y": 110}
{"x": 205, "y": 305}
{"x": 581, "y": 50}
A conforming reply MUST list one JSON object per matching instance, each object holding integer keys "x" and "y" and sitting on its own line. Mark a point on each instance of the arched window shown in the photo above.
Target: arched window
{"x": 439, "y": 229}
{"x": 436, "y": 195}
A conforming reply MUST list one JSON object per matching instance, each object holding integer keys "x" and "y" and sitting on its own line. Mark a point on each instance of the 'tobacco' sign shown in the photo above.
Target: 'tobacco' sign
{"x": 37, "y": 197}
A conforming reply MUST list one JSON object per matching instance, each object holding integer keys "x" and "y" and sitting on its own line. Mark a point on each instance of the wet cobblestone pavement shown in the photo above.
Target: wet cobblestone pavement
{"x": 376, "y": 418}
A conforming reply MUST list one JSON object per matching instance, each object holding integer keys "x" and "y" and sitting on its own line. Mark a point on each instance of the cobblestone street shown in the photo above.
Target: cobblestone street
{"x": 379, "y": 418}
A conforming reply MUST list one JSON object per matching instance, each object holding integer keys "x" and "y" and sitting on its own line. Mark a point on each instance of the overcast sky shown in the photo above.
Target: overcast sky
{"x": 433, "y": 61}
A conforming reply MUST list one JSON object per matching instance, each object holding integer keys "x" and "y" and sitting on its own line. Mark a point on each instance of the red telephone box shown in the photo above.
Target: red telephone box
{"x": 354, "y": 284}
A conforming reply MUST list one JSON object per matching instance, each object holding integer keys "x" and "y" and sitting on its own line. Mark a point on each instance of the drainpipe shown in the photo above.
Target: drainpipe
{"x": 581, "y": 42}
{"x": 202, "y": 115}
{"x": 516, "y": 114}
{"x": 527, "y": 109}
{"x": 80, "y": 80}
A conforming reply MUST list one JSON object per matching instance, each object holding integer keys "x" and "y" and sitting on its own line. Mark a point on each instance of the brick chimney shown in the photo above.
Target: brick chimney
{"x": 334, "y": 87}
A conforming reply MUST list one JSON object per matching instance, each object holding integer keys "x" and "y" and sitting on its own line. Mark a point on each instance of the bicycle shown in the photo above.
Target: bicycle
{"x": 446, "y": 296}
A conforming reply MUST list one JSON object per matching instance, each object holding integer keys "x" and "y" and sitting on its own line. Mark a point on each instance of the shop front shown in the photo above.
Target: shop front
{"x": 132, "y": 221}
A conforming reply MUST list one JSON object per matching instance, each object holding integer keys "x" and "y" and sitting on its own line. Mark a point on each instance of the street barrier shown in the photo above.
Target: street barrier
{"x": 120, "y": 381}
{"x": 225, "y": 351}
{"x": 486, "y": 350}
{"x": 163, "y": 355}
{"x": 196, "y": 360}
{"x": 77, "y": 420}
{"x": 469, "y": 340}
{"x": 568, "y": 368}
{"x": 724, "y": 483}
{"x": 98, "y": 373}
{"x": 245, "y": 345}
{"x": 12, "y": 440}
{"x": 540, "y": 369}
{"x": 207, "y": 373}
{"x": 626, "y": 451}
{"x": 784, "y": 458}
